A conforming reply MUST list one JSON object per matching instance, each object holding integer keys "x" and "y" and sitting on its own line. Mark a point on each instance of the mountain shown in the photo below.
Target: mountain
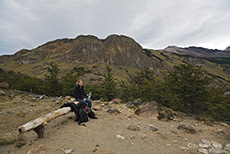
{"x": 114, "y": 50}
{"x": 199, "y": 51}
{"x": 85, "y": 51}
{"x": 122, "y": 53}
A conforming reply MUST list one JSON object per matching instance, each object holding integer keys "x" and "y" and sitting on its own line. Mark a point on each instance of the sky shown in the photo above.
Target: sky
{"x": 154, "y": 24}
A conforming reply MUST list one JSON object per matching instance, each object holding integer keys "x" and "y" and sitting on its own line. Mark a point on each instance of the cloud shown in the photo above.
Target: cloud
{"x": 152, "y": 23}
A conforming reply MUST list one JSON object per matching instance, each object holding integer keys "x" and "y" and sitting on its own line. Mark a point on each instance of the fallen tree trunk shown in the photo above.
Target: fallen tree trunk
{"x": 38, "y": 124}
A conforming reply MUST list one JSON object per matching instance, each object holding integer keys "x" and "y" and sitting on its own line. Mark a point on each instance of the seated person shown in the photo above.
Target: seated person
{"x": 79, "y": 94}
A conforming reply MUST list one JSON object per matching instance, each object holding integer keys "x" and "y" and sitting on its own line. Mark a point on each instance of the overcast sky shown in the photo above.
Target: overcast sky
{"x": 154, "y": 24}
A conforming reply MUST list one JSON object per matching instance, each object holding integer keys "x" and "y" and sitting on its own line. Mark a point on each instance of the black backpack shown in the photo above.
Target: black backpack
{"x": 79, "y": 110}
{"x": 82, "y": 116}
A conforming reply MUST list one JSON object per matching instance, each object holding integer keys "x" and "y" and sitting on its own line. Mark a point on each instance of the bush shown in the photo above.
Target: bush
{"x": 166, "y": 113}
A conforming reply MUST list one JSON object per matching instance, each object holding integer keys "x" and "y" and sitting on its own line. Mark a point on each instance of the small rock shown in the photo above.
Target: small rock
{"x": 227, "y": 147}
{"x": 168, "y": 145}
{"x": 216, "y": 151}
{"x": 42, "y": 97}
{"x": 116, "y": 101}
{"x": 192, "y": 145}
{"x": 223, "y": 124}
{"x": 153, "y": 128}
{"x": 219, "y": 132}
{"x": 120, "y": 137}
{"x": 68, "y": 97}
{"x": 133, "y": 127}
{"x": 68, "y": 151}
{"x": 204, "y": 145}
{"x": 183, "y": 148}
{"x": 72, "y": 100}
{"x": 227, "y": 93}
{"x": 143, "y": 135}
{"x": 113, "y": 111}
{"x": 131, "y": 137}
{"x": 137, "y": 102}
{"x": 206, "y": 142}
{"x": 57, "y": 102}
{"x": 216, "y": 145}
{"x": 2, "y": 93}
{"x": 97, "y": 108}
{"x": 187, "y": 128}
{"x": 202, "y": 150}
{"x": 129, "y": 104}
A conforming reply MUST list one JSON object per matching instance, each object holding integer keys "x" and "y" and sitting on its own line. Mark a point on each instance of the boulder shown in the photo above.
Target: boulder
{"x": 187, "y": 128}
{"x": 133, "y": 127}
{"x": 149, "y": 109}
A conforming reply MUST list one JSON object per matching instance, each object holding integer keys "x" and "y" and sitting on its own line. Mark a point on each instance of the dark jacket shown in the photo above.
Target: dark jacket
{"x": 79, "y": 92}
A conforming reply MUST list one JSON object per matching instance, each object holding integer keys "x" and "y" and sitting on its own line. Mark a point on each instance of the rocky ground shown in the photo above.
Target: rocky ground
{"x": 116, "y": 131}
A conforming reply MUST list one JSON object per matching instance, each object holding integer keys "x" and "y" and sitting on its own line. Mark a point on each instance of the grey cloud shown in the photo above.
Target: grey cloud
{"x": 152, "y": 23}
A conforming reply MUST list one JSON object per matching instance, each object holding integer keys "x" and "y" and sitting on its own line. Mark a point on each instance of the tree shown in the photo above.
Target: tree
{"x": 140, "y": 85}
{"x": 189, "y": 87}
{"x": 109, "y": 85}
{"x": 68, "y": 83}
{"x": 54, "y": 87}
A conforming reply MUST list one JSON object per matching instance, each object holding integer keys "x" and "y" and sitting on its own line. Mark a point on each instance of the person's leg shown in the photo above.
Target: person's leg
{"x": 80, "y": 100}
{"x": 89, "y": 103}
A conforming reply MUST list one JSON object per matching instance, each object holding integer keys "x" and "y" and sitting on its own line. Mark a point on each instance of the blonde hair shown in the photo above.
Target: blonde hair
{"x": 78, "y": 81}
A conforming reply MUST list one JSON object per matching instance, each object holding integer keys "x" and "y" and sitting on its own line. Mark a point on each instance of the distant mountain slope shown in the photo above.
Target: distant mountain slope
{"x": 199, "y": 51}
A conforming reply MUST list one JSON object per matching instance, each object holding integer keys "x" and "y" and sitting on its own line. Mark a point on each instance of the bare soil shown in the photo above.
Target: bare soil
{"x": 99, "y": 135}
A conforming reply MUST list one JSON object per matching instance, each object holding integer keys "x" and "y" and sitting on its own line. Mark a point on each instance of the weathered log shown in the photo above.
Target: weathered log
{"x": 38, "y": 124}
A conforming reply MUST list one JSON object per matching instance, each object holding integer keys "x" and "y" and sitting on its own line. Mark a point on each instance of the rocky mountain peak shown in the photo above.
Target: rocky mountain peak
{"x": 116, "y": 50}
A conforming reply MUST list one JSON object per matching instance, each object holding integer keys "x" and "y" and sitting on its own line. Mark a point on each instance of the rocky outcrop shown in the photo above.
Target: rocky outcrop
{"x": 115, "y": 50}
{"x": 124, "y": 51}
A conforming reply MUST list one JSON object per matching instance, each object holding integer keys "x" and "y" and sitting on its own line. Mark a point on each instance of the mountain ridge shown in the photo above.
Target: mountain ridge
{"x": 116, "y": 50}
{"x": 199, "y": 51}
{"x": 121, "y": 52}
